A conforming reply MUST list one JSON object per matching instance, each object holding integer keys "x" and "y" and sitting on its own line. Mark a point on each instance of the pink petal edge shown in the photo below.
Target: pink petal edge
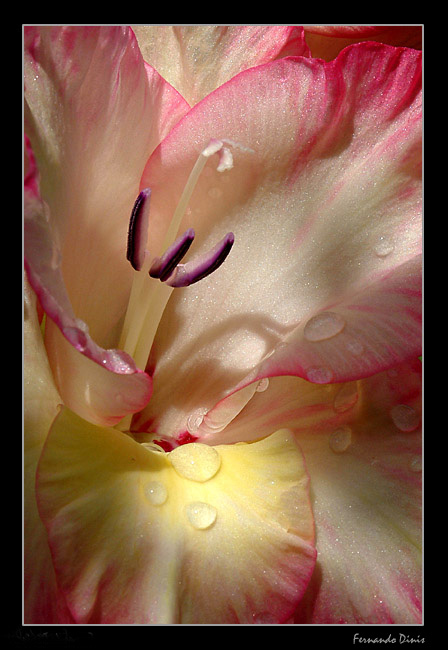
{"x": 43, "y": 268}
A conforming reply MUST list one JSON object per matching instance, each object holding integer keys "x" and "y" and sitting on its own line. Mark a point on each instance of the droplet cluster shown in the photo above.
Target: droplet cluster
{"x": 195, "y": 462}
{"x": 341, "y": 439}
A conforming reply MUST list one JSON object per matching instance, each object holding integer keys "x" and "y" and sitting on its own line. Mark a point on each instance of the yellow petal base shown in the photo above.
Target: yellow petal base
{"x": 197, "y": 535}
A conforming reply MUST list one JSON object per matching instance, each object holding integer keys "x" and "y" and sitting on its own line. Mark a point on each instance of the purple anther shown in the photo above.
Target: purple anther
{"x": 162, "y": 267}
{"x": 138, "y": 230}
{"x": 186, "y": 274}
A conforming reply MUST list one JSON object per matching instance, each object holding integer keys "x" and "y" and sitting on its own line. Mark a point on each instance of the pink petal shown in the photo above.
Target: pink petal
{"x": 326, "y": 216}
{"x": 326, "y": 41}
{"x": 91, "y": 141}
{"x": 94, "y": 112}
{"x": 102, "y": 385}
{"x": 43, "y": 602}
{"x": 197, "y": 59}
{"x": 136, "y": 540}
{"x": 362, "y": 446}
{"x": 374, "y": 329}
{"x": 368, "y": 510}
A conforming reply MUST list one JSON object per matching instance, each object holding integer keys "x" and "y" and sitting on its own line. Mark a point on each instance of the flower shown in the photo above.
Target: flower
{"x": 235, "y": 449}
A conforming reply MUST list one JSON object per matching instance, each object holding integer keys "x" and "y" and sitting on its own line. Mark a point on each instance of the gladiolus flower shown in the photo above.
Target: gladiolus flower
{"x": 222, "y": 417}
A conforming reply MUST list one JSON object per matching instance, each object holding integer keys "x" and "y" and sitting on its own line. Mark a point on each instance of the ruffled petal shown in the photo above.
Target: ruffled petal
{"x": 326, "y": 41}
{"x": 197, "y": 59}
{"x": 377, "y": 327}
{"x": 102, "y": 385}
{"x": 43, "y": 602}
{"x": 75, "y": 239}
{"x": 94, "y": 112}
{"x": 368, "y": 508}
{"x": 199, "y": 535}
{"x": 326, "y": 215}
{"x": 363, "y": 450}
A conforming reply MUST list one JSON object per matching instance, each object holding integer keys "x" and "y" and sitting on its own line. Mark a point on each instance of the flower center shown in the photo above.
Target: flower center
{"x": 156, "y": 277}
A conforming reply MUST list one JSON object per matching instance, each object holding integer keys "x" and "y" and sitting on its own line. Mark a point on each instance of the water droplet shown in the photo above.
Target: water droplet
{"x": 195, "y": 420}
{"x": 156, "y": 493}
{"x": 405, "y": 417}
{"x": 346, "y": 397}
{"x": 195, "y": 461}
{"x": 340, "y": 440}
{"x": 319, "y": 375}
{"x": 262, "y": 385}
{"x": 201, "y": 515}
{"x": 415, "y": 464}
{"x": 384, "y": 247}
{"x": 324, "y": 326}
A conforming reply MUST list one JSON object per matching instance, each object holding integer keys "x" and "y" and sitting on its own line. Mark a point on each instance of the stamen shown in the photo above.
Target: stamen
{"x": 186, "y": 274}
{"x": 162, "y": 267}
{"x": 148, "y": 299}
{"x": 138, "y": 230}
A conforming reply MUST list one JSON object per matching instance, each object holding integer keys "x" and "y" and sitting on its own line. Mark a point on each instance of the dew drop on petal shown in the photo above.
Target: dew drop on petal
{"x": 346, "y": 397}
{"x": 319, "y": 375}
{"x": 263, "y": 385}
{"x": 384, "y": 247}
{"x": 201, "y": 515}
{"x": 405, "y": 417}
{"x": 156, "y": 493}
{"x": 323, "y": 326}
{"x": 340, "y": 440}
{"x": 195, "y": 461}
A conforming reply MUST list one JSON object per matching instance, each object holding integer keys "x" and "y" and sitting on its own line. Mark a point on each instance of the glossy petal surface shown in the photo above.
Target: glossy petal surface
{"x": 91, "y": 141}
{"x": 136, "y": 541}
{"x": 326, "y": 41}
{"x": 327, "y": 218}
{"x": 197, "y": 59}
{"x": 90, "y": 155}
{"x": 102, "y": 385}
{"x": 363, "y": 450}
